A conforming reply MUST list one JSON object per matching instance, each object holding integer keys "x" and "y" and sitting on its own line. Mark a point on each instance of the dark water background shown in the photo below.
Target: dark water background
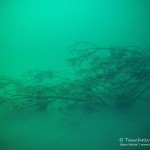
{"x": 37, "y": 34}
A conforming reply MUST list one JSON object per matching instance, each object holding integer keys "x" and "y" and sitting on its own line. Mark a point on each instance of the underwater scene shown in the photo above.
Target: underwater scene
{"x": 74, "y": 75}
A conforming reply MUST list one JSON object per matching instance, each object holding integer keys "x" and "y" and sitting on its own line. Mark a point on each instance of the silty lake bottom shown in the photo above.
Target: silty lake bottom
{"x": 74, "y": 75}
{"x": 64, "y": 132}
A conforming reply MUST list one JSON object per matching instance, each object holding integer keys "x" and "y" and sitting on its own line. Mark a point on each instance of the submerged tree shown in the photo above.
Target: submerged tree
{"x": 119, "y": 78}
{"x": 102, "y": 77}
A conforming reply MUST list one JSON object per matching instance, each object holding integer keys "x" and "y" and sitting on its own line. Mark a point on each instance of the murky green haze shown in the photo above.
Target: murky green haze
{"x": 37, "y": 35}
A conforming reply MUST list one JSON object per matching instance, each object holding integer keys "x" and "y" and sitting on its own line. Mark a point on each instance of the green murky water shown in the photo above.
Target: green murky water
{"x": 36, "y": 37}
